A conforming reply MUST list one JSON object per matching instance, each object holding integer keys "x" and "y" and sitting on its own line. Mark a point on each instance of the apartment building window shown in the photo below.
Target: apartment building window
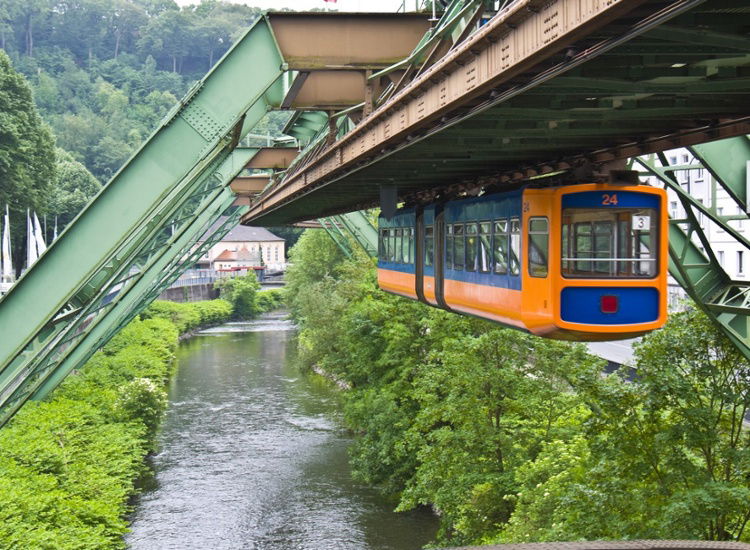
{"x": 699, "y": 174}
{"x": 740, "y": 262}
{"x": 685, "y": 159}
{"x": 672, "y": 160}
{"x": 721, "y": 258}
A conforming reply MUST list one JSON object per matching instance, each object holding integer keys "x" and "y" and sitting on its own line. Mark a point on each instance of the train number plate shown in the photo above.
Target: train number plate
{"x": 641, "y": 223}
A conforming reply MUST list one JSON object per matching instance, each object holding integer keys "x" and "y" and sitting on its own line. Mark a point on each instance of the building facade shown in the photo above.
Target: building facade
{"x": 245, "y": 247}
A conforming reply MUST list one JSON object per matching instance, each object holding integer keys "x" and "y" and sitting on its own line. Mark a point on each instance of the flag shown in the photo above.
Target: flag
{"x": 7, "y": 275}
{"x": 39, "y": 236}
{"x": 31, "y": 254}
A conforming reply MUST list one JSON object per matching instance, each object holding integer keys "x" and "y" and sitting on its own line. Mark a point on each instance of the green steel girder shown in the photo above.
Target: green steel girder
{"x": 97, "y": 322}
{"x": 359, "y": 226}
{"x": 60, "y": 309}
{"x": 692, "y": 260}
{"x": 130, "y": 303}
{"x": 337, "y": 235}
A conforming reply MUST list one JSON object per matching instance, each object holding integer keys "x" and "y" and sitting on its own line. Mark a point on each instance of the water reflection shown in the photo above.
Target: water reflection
{"x": 253, "y": 456}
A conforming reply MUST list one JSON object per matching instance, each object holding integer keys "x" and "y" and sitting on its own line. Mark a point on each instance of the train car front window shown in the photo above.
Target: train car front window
{"x": 609, "y": 243}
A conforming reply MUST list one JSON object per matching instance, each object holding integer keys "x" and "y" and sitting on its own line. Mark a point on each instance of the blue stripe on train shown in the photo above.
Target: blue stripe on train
{"x": 583, "y": 305}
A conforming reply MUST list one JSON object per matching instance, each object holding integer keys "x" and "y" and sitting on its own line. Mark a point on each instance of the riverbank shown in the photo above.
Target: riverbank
{"x": 68, "y": 464}
{"x": 253, "y": 454}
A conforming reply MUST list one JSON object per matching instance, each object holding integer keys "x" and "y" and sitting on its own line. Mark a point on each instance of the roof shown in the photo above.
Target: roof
{"x": 243, "y": 233}
{"x": 227, "y": 255}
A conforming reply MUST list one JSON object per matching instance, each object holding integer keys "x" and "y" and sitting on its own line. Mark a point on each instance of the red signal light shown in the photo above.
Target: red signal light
{"x": 609, "y": 303}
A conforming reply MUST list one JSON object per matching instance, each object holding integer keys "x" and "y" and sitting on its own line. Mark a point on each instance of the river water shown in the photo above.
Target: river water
{"x": 253, "y": 456}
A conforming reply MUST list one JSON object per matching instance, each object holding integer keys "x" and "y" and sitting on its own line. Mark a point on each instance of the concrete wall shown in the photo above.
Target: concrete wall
{"x": 192, "y": 293}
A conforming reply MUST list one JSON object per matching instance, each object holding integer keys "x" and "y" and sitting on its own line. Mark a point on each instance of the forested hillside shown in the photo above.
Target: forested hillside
{"x": 104, "y": 72}
{"x": 99, "y": 76}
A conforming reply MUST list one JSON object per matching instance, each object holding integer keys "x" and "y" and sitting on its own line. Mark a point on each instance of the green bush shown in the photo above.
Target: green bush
{"x": 268, "y": 300}
{"x": 189, "y": 316}
{"x": 241, "y": 292}
{"x": 67, "y": 465}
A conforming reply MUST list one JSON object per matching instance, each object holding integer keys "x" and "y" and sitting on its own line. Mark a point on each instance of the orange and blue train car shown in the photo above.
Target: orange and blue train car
{"x": 576, "y": 262}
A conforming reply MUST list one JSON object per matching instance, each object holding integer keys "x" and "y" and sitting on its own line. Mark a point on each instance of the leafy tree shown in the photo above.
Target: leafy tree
{"x": 27, "y": 153}
{"x": 241, "y": 292}
{"x": 75, "y": 187}
{"x": 666, "y": 456}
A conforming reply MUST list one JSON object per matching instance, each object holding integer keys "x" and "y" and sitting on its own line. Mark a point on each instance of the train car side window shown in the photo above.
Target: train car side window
{"x": 538, "y": 249}
{"x": 485, "y": 247}
{"x": 429, "y": 245}
{"x": 399, "y": 246}
{"x": 500, "y": 250}
{"x": 472, "y": 247}
{"x": 515, "y": 246}
{"x": 458, "y": 246}
{"x": 449, "y": 247}
{"x": 382, "y": 245}
{"x": 392, "y": 245}
{"x": 406, "y": 246}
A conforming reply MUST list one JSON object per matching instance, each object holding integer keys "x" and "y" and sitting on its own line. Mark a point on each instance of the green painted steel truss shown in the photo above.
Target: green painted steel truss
{"x": 693, "y": 262}
{"x": 141, "y": 231}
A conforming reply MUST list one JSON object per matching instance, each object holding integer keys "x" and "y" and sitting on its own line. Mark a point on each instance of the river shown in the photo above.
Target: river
{"x": 253, "y": 455}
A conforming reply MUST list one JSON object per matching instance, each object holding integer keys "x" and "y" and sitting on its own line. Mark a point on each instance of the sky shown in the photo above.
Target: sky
{"x": 340, "y": 5}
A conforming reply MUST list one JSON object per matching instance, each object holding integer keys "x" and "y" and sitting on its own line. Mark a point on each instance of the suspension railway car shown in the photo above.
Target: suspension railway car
{"x": 577, "y": 262}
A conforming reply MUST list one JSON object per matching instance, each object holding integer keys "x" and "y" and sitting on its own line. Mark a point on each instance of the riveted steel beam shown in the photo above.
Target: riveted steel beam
{"x": 63, "y": 307}
{"x": 692, "y": 260}
{"x": 361, "y": 229}
{"x": 95, "y": 323}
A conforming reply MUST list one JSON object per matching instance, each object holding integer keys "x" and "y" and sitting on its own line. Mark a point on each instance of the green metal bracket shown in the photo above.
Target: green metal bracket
{"x": 104, "y": 266}
{"x": 337, "y": 235}
{"x": 361, "y": 229}
{"x": 692, "y": 260}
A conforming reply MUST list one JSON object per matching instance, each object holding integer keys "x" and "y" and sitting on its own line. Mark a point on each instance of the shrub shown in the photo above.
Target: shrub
{"x": 67, "y": 465}
{"x": 241, "y": 292}
{"x": 268, "y": 300}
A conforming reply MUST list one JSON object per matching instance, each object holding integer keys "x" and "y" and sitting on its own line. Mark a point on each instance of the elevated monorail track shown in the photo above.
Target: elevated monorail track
{"x": 543, "y": 86}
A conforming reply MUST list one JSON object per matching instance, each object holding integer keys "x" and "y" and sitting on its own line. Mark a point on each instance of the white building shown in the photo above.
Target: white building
{"x": 245, "y": 247}
{"x": 699, "y": 184}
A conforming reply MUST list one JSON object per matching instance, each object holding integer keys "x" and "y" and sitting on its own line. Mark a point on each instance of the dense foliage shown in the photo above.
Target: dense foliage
{"x": 27, "y": 152}
{"x": 102, "y": 74}
{"x": 246, "y": 297}
{"x": 67, "y": 465}
{"x": 512, "y": 438}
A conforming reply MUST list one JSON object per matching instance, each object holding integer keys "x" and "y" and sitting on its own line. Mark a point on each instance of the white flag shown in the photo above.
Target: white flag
{"x": 8, "y": 276}
{"x": 31, "y": 254}
{"x": 41, "y": 246}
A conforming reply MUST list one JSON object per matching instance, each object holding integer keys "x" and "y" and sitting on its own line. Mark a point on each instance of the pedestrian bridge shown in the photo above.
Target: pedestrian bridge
{"x": 393, "y": 107}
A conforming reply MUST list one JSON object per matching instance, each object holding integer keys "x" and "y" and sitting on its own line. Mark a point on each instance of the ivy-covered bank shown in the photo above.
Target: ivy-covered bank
{"x": 512, "y": 438}
{"x": 68, "y": 464}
